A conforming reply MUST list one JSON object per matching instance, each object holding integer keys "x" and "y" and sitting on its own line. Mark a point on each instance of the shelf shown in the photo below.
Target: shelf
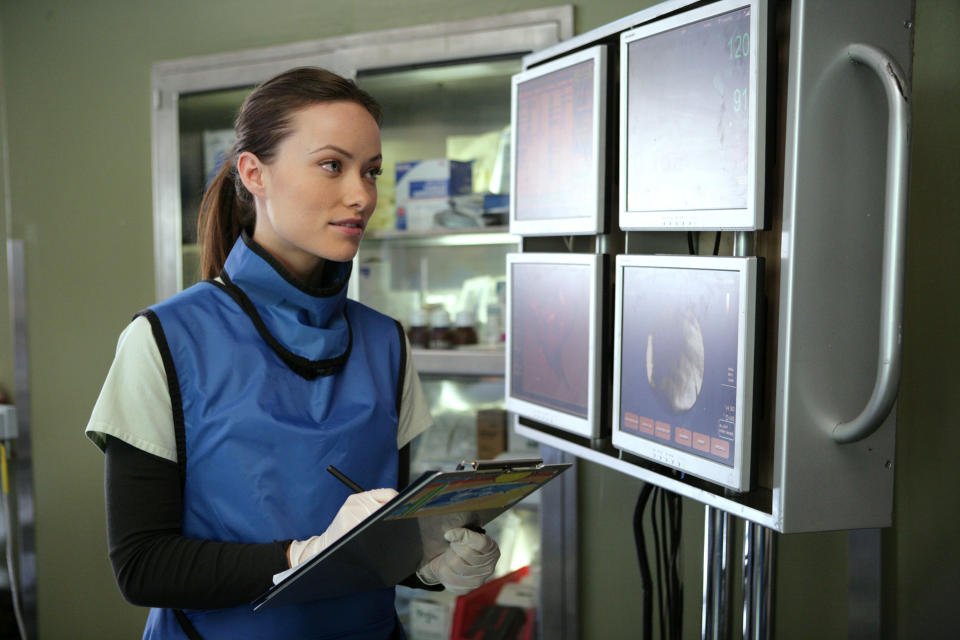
{"x": 429, "y": 237}
{"x": 445, "y": 237}
{"x": 469, "y": 362}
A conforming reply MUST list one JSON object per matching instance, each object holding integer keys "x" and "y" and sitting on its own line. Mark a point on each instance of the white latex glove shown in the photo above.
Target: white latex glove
{"x": 354, "y": 511}
{"x": 467, "y": 562}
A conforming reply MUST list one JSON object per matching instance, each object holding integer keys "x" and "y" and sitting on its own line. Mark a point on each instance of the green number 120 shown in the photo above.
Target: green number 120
{"x": 739, "y": 46}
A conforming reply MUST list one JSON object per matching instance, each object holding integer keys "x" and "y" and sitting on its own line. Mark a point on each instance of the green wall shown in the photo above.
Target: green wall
{"x": 76, "y": 79}
{"x": 927, "y": 503}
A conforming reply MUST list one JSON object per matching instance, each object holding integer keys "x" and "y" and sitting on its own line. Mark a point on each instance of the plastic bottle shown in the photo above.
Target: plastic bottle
{"x": 493, "y": 330}
{"x": 419, "y": 333}
{"x": 440, "y": 334}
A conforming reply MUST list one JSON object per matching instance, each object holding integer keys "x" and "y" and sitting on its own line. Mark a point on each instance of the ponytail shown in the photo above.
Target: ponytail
{"x": 224, "y": 212}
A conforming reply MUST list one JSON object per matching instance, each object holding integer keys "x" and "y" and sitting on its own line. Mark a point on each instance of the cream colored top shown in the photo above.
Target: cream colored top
{"x": 134, "y": 403}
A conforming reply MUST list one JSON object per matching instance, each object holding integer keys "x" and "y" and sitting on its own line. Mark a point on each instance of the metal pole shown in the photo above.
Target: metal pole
{"x": 749, "y": 604}
{"x": 742, "y": 243}
{"x": 758, "y": 581}
{"x": 765, "y": 585}
{"x": 717, "y": 556}
{"x": 865, "y": 570}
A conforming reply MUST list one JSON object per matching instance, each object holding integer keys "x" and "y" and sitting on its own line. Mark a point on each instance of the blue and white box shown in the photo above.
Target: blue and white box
{"x": 425, "y": 188}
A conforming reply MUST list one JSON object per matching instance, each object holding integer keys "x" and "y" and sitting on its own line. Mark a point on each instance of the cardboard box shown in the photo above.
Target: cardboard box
{"x": 424, "y": 188}
{"x": 491, "y": 433}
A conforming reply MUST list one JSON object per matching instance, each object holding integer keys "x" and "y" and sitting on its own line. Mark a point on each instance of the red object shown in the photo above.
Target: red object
{"x": 469, "y": 606}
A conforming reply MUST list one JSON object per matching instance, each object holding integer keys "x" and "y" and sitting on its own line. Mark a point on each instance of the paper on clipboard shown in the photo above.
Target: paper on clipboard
{"x": 391, "y": 544}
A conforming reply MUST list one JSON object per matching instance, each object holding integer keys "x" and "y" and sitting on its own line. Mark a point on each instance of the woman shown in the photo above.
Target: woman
{"x": 226, "y": 403}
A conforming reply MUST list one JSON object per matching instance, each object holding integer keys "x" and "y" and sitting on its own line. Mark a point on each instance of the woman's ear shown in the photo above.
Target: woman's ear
{"x": 250, "y": 171}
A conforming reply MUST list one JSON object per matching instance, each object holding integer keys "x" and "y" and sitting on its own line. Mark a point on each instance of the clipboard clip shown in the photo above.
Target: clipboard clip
{"x": 519, "y": 464}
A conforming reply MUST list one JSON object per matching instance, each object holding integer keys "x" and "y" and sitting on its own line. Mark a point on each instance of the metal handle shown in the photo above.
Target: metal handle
{"x": 895, "y": 216}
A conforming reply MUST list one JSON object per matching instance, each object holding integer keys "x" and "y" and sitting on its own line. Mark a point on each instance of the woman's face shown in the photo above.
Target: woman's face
{"x": 316, "y": 195}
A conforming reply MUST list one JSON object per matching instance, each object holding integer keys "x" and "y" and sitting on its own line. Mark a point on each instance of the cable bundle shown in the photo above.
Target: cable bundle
{"x": 664, "y": 510}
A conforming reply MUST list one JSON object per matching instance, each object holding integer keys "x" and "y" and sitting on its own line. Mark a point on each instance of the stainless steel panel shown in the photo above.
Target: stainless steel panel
{"x": 831, "y": 266}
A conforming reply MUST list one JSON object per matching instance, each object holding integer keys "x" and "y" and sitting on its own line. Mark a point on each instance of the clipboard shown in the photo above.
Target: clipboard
{"x": 391, "y": 544}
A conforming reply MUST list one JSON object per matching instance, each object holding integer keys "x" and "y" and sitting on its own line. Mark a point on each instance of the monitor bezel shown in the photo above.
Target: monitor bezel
{"x": 736, "y": 477}
{"x": 592, "y": 222}
{"x": 746, "y": 219}
{"x": 588, "y": 427}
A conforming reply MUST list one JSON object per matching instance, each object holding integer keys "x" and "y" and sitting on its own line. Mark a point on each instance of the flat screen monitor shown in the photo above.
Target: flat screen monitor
{"x": 683, "y": 363}
{"x": 692, "y": 120}
{"x": 559, "y": 119}
{"x": 553, "y": 340}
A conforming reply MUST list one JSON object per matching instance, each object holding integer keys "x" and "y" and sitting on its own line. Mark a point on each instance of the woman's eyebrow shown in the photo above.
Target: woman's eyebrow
{"x": 343, "y": 152}
{"x": 333, "y": 147}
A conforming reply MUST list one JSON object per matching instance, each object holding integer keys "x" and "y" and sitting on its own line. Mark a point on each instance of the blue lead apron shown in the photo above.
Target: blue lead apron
{"x": 270, "y": 383}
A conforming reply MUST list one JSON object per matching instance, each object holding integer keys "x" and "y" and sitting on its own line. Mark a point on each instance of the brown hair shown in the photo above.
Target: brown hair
{"x": 263, "y": 122}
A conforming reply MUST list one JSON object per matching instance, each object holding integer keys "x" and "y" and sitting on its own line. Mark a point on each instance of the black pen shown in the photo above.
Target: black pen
{"x": 353, "y": 486}
{"x": 339, "y": 475}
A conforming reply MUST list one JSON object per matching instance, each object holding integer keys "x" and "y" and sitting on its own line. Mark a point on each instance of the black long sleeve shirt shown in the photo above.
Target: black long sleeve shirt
{"x": 156, "y": 565}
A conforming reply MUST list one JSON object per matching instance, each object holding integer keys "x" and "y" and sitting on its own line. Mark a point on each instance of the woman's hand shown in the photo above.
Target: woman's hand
{"x": 466, "y": 564}
{"x": 353, "y": 511}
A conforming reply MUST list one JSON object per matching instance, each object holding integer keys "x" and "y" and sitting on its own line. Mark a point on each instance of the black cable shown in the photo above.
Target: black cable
{"x": 662, "y": 586}
{"x": 646, "y": 580}
{"x": 665, "y": 521}
{"x": 672, "y": 562}
{"x": 668, "y": 559}
{"x": 690, "y": 243}
{"x": 679, "y": 525}
{"x": 660, "y": 543}
{"x": 666, "y": 515}
{"x": 716, "y": 245}
{"x": 676, "y": 583}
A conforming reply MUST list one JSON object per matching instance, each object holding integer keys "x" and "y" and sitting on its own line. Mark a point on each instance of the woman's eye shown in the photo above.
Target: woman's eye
{"x": 331, "y": 165}
{"x": 374, "y": 173}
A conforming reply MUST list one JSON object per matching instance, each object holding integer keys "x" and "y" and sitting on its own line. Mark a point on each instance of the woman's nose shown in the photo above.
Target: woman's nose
{"x": 360, "y": 194}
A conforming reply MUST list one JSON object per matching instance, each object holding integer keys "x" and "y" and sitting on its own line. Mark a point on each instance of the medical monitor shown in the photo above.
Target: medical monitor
{"x": 559, "y": 123}
{"x": 684, "y": 363}
{"x": 553, "y": 340}
{"x": 692, "y": 120}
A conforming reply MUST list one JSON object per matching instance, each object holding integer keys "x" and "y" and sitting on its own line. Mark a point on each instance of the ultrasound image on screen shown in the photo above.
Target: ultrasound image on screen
{"x": 550, "y": 335}
{"x": 679, "y": 359}
{"x": 688, "y": 116}
{"x": 556, "y": 173}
